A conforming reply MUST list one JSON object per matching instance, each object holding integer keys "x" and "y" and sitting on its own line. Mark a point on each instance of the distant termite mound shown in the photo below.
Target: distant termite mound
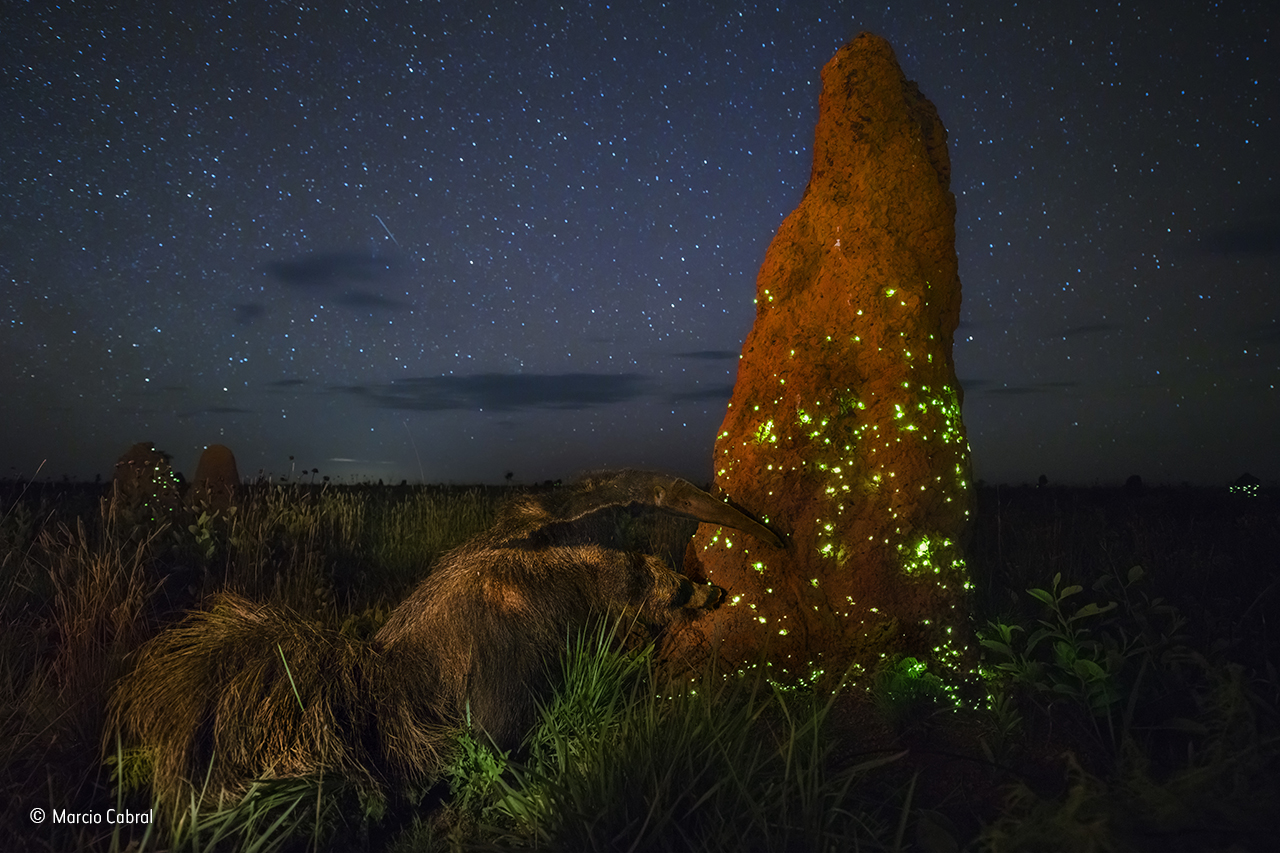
{"x": 144, "y": 484}
{"x": 844, "y": 428}
{"x": 216, "y": 478}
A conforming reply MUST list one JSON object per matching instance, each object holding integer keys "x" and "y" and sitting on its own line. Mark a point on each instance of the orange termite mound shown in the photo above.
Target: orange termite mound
{"x": 844, "y": 428}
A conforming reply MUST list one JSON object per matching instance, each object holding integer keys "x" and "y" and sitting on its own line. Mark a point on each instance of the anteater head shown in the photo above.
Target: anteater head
{"x": 601, "y": 491}
{"x": 680, "y": 497}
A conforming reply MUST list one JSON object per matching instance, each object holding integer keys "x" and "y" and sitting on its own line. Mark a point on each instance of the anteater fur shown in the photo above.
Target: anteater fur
{"x": 266, "y": 694}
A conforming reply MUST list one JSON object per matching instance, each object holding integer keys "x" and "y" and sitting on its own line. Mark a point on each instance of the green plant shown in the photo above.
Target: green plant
{"x": 208, "y": 532}
{"x": 1007, "y": 720}
{"x": 1095, "y": 655}
{"x": 1206, "y": 795}
{"x": 905, "y": 691}
{"x": 622, "y": 760}
{"x": 474, "y": 774}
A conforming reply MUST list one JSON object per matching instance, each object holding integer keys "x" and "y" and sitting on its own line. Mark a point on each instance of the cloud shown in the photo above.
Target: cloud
{"x": 1015, "y": 390}
{"x": 505, "y": 392}
{"x": 356, "y": 275}
{"x": 287, "y": 383}
{"x": 714, "y": 392}
{"x": 246, "y": 312}
{"x": 216, "y": 410}
{"x": 328, "y": 269}
{"x": 1261, "y": 238}
{"x": 708, "y": 354}
{"x": 1256, "y": 234}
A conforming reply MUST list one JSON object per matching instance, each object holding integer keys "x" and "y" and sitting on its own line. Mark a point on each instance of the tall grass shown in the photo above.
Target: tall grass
{"x": 84, "y": 582}
{"x": 290, "y": 544}
{"x": 624, "y": 760}
{"x": 1129, "y": 709}
{"x": 76, "y": 599}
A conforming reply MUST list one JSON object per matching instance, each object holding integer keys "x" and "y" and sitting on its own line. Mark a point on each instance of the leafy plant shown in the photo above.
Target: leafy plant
{"x": 1206, "y": 798}
{"x": 905, "y": 691}
{"x": 1094, "y": 655}
{"x": 209, "y": 531}
{"x": 475, "y": 775}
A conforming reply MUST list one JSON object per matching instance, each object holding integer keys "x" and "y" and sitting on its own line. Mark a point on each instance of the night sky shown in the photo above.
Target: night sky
{"x": 444, "y": 241}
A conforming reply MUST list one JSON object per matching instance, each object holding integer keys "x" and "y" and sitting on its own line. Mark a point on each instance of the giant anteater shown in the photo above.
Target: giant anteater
{"x": 263, "y": 693}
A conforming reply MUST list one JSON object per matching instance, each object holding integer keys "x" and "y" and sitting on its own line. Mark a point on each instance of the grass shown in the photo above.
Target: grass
{"x": 1128, "y": 649}
{"x": 623, "y": 760}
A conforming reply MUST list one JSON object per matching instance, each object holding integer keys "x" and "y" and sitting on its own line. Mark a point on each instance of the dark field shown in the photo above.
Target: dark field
{"x": 1128, "y": 693}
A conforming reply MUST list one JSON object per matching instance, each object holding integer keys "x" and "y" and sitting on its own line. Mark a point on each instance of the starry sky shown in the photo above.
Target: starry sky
{"x": 444, "y": 241}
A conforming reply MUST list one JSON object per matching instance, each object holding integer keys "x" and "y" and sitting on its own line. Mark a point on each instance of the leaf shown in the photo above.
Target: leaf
{"x": 1064, "y": 652}
{"x": 1070, "y": 591}
{"x": 1135, "y": 574}
{"x": 1034, "y": 639}
{"x": 996, "y": 645}
{"x": 1089, "y": 670}
{"x": 1092, "y": 609}
{"x": 1046, "y": 597}
{"x": 1006, "y": 631}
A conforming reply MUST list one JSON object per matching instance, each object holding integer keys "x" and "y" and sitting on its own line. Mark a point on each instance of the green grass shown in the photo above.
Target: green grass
{"x": 1128, "y": 647}
{"x": 621, "y": 759}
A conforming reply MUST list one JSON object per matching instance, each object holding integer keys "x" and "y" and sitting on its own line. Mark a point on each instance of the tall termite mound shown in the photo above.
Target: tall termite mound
{"x": 844, "y": 428}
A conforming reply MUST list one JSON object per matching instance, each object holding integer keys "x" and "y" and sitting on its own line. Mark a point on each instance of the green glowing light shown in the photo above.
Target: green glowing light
{"x": 765, "y": 433}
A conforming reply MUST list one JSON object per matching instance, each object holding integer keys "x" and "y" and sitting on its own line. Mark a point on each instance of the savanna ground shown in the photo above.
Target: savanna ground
{"x": 1128, "y": 697}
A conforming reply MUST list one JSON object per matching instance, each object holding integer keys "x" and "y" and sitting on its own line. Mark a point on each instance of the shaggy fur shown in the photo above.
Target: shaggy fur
{"x": 220, "y": 686}
{"x": 268, "y": 694}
